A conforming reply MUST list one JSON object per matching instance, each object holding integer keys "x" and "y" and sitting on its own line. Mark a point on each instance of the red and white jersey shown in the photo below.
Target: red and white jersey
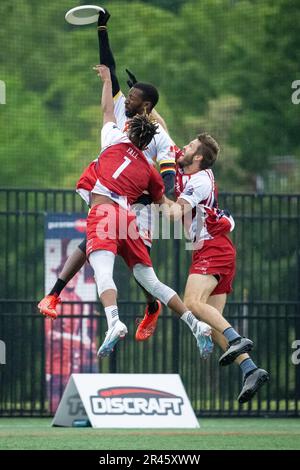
{"x": 200, "y": 191}
{"x": 161, "y": 147}
{"x": 121, "y": 172}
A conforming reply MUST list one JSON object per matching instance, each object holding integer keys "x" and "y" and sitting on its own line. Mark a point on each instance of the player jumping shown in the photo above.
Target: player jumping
{"x": 213, "y": 260}
{"x": 141, "y": 98}
{"x": 110, "y": 185}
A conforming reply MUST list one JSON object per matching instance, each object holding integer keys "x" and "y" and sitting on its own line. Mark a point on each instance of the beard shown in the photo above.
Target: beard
{"x": 130, "y": 114}
{"x": 186, "y": 161}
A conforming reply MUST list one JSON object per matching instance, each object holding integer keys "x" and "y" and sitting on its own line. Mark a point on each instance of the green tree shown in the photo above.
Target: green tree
{"x": 264, "y": 59}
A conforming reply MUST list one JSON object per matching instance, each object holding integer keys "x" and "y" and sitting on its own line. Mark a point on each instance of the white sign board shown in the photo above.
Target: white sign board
{"x": 126, "y": 401}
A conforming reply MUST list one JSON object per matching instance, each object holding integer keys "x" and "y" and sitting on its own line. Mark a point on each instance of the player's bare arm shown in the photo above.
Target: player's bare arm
{"x": 175, "y": 210}
{"x": 107, "y": 102}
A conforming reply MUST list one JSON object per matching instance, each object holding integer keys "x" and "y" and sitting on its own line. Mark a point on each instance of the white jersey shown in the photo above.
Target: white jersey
{"x": 197, "y": 188}
{"x": 200, "y": 191}
{"x": 111, "y": 134}
{"x": 161, "y": 148}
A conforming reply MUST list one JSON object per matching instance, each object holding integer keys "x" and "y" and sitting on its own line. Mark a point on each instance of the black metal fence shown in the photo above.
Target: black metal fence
{"x": 264, "y": 305}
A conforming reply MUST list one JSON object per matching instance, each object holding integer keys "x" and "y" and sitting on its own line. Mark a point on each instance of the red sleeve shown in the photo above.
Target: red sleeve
{"x": 178, "y": 152}
{"x": 156, "y": 185}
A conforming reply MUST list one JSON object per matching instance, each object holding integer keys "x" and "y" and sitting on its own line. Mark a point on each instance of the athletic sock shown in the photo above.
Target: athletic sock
{"x": 230, "y": 334}
{"x": 112, "y": 314}
{"x": 58, "y": 287}
{"x": 247, "y": 366}
{"x": 152, "y": 307}
{"x": 190, "y": 320}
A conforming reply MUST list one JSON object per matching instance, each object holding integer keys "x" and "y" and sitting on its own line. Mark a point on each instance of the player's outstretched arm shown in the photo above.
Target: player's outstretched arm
{"x": 105, "y": 52}
{"x": 174, "y": 210}
{"x": 107, "y": 102}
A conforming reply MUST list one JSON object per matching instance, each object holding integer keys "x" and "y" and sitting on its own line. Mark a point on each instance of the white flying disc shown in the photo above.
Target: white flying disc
{"x": 85, "y": 14}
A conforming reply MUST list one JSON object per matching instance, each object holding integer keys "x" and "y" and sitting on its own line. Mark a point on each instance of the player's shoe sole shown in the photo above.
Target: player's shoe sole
{"x": 252, "y": 384}
{"x": 241, "y": 346}
{"x": 147, "y": 326}
{"x": 113, "y": 335}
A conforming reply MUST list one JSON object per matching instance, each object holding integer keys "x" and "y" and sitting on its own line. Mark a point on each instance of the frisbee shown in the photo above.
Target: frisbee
{"x": 85, "y": 14}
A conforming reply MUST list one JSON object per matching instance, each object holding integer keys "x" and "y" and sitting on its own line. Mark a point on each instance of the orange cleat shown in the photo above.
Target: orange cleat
{"x": 147, "y": 326}
{"x": 48, "y": 305}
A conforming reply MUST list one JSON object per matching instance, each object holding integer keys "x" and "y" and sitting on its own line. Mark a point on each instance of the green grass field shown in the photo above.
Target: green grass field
{"x": 233, "y": 434}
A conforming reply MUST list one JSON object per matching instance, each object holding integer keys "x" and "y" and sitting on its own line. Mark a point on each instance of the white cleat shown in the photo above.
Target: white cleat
{"x": 113, "y": 335}
{"x": 202, "y": 333}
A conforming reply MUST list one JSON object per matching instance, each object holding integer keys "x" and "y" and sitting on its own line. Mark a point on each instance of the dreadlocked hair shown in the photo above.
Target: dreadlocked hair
{"x": 142, "y": 130}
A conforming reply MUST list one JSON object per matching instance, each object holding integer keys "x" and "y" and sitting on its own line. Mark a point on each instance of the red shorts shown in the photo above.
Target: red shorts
{"x": 217, "y": 257}
{"x": 112, "y": 228}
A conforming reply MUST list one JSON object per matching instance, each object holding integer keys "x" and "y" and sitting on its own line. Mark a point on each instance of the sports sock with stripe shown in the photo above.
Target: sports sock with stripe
{"x": 112, "y": 314}
{"x": 190, "y": 320}
{"x": 247, "y": 366}
{"x": 230, "y": 334}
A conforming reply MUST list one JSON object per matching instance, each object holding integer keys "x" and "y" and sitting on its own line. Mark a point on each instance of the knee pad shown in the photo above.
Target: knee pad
{"x": 102, "y": 262}
{"x": 146, "y": 276}
{"x": 105, "y": 282}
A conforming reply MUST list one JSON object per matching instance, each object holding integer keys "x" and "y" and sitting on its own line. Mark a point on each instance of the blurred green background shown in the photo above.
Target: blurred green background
{"x": 224, "y": 66}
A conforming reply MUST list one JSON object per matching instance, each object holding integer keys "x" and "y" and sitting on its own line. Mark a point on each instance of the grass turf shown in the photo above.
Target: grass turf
{"x": 214, "y": 434}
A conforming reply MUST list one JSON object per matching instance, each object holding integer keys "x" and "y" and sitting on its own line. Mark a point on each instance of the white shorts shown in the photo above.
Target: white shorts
{"x": 145, "y": 220}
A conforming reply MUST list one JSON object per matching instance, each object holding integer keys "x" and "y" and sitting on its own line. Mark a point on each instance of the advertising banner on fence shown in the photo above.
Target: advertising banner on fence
{"x": 70, "y": 339}
{"x": 126, "y": 401}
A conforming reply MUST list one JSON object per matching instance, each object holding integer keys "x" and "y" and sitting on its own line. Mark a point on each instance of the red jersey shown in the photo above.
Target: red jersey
{"x": 121, "y": 171}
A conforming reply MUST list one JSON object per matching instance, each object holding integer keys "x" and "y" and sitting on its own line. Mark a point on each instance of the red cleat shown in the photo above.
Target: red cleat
{"x": 48, "y": 305}
{"x": 147, "y": 326}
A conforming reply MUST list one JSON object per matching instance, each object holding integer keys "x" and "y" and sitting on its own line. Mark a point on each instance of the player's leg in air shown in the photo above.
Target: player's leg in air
{"x": 102, "y": 248}
{"x": 102, "y": 263}
{"x": 201, "y": 296}
{"x": 74, "y": 263}
{"x": 253, "y": 376}
{"x": 147, "y": 326}
{"x": 198, "y": 288}
{"x": 146, "y": 276}
{"x": 137, "y": 258}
